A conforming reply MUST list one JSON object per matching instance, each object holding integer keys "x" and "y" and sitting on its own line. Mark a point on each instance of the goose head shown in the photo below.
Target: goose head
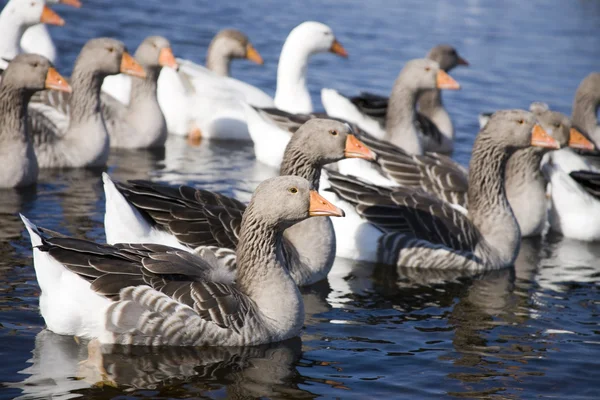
{"x": 286, "y": 200}
{"x": 559, "y": 126}
{"x": 517, "y": 129}
{"x": 231, "y": 44}
{"x": 33, "y": 73}
{"x": 446, "y": 56}
{"x": 324, "y": 141}
{"x": 32, "y": 12}
{"x": 424, "y": 74}
{"x": 109, "y": 57}
{"x": 155, "y": 52}
{"x": 315, "y": 37}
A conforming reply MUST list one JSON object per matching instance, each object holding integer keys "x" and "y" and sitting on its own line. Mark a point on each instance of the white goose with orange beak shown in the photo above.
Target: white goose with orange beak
{"x": 16, "y": 17}
{"x": 37, "y": 39}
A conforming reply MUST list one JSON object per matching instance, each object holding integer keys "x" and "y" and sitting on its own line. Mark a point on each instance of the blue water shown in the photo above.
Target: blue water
{"x": 370, "y": 331}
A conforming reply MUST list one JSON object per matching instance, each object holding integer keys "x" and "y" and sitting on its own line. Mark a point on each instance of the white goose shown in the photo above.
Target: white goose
{"x": 157, "y": 295}
{"x": 37, "y": 39}
{"x": 575, "y": 195}
{"x": 574, "y": 178}
{"x": 15, "y": 18}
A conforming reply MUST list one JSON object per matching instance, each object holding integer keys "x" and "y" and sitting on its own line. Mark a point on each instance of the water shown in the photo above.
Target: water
{"x": 370, "y": 331}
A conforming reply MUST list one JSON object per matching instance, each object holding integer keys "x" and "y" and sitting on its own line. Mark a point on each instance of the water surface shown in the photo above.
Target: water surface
{"x": 370, "y": 331}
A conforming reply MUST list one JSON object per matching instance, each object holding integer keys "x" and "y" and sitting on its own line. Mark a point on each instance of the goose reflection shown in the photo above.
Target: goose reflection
{"x": 567, "y": 262}
{"x": 62, "y": 368}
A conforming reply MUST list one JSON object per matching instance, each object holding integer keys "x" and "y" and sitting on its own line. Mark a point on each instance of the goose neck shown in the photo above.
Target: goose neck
{"x": 585, "y": 108}
{"x": 489, "y": 208}
{"x": 12, "y": 29}
{"x": 218, "y": 60}
{"x": 400, "y": 119}
{"x": 430, "y": 101}
{"x": 144, "y": 89}
{"x": 13, "y": 110}
{"x": 85, "y": 100}
{"x": 258, "y": 252}
{"x": 292, "y": 94}
{"x": 296, "y": 163}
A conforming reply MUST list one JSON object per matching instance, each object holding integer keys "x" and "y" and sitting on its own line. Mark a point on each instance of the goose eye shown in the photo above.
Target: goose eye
{"x": 33, "y": 4}
{"x": 293, "y": 190}
{"x": 557, "y": 125}
{"x": 427, "y": 69}
{"x": 111, "y": 49}
{"x": 35, "y": 65}
{"x": 333, "y": 132}
{"x": 521, "y": 122}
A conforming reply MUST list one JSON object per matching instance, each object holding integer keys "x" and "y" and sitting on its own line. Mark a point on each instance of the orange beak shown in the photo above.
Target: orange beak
{"x": 55, "y": 81}
{"x": 50, "y": 17}
{"x": 253, "y": 55}
{"x": 320, "y": 207}
{"x": 167, "y": 59}
{"x": 357, "y": 149}
{"x": 338, "y": 49}
{"x": 540, "y": 138}
{"x": 131, "y": 67}
{"x": 72, "y": 3}
{"x": 445, "y": 81}
{"x": 577, "y": 140}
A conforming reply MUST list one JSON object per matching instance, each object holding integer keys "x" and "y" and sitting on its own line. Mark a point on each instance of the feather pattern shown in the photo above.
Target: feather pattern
{"x": 158, "y": 292}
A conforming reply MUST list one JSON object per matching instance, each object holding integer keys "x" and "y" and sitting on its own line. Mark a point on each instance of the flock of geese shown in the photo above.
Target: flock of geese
{"x": 186, "y": 266}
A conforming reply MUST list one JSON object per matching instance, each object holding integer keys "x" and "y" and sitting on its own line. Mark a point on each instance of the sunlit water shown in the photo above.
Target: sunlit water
{"x": 532, "y": 331}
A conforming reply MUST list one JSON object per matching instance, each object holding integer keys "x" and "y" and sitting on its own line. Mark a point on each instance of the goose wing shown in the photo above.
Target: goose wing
{"x": 589, "y": 181}
{"x": 373, "y": 105}
{"x": 196, "y": 217}
{"x": 412, "y": 212}
{"x": 46, "y": 124}
{"x": 58, "y": 100}
{"x": 157, "y": 290}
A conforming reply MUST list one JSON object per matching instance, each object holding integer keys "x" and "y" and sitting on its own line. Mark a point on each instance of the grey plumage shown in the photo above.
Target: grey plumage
{"x": 199, "y": 218}
{"x": 163, "y": 296}
{"x": 60, "y": 140}
{"x": 141, "y": 123}
{"x": 25, "y": 75}
{"x": 425, "y": 231}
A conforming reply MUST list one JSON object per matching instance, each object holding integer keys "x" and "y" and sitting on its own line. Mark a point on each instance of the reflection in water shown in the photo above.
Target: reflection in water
{"x": 377, "y": 332}
{"x": 62, "y": 368}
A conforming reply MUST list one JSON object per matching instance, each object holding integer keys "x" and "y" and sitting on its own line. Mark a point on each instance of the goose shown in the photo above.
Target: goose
{"x": 141, "y": 123}
{"x": 410, "y": 228}
{"x": 192, "y": 219}
{"x": 525, "y": 184}
{"x": 218, "y": 111}
{"x": 148, "y": 294}
{"x": 586, "y": 106}
{"x": 227, "y": 45}
{"x": 200, "y": 102}
{"x": 369, "y": 111}
{"x": 69, "y": 131}
{"x": 37, "y": 39}
{"x": 402, "y": 127}
{"x": 575, "y": 195}
{"x": 25, "y": 74}
{"x": 15, "y": 18}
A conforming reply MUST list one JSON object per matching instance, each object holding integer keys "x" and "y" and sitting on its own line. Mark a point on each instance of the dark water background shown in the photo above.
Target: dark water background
{"x": 528, "y": 332}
